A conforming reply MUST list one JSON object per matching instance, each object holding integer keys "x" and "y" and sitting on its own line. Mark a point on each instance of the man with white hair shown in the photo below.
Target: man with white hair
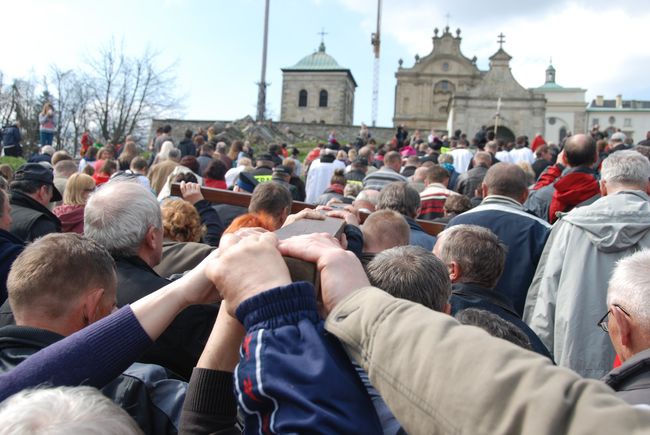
{"x": 628, "y": 323}
{"x": 568, "y": 292}
{"x": 125, "y": 218}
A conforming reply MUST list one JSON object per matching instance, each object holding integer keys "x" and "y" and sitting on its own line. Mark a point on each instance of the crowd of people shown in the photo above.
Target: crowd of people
{"x": 128, "y": 309}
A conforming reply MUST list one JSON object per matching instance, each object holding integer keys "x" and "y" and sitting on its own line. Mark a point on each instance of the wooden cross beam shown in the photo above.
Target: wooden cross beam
{"x": 221, "y": 196}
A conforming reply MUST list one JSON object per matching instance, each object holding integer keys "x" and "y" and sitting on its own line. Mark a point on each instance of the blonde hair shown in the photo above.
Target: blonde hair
{"x": 77, "y": 188}
{"x": 181, "y": 221}
{"x": 47, "y": 106}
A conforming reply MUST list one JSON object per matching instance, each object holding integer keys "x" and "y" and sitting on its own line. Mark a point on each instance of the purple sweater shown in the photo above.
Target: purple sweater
{"x": 93, "y": 356}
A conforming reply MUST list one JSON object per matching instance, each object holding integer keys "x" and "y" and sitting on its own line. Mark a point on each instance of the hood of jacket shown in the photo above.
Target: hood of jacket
{"x": 615, "y": 222}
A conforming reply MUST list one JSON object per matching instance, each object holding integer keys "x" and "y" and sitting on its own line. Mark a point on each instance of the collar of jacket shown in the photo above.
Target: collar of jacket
{"x": 413, "y": 224}
{"x": 502, "y": 200}
{"x": 8, "y": 237}
{"x": 492, "y": 296}
{"x": 13, "y": 335}
{"x": 136, "y": 262}
{"x": 638, "y": 364}
{"x": 23, "y": 200}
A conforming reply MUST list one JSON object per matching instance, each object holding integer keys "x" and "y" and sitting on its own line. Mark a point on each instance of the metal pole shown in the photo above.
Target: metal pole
{"x": 261, "y": 94}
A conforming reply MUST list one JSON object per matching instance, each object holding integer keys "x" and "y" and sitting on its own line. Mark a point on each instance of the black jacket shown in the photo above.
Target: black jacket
{"x": 187, "y": 147}
{"x": 467, "y": 295}
{"x": 30, "y": 219}
{"x": 631, "y": 380}
{"x": 10, "y": 248}
{"x": 180, "y": 346}
{"x": 144, "y": 391}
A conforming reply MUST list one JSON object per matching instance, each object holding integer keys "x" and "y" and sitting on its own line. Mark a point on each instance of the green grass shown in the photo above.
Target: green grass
{"x": 14, "y": 162}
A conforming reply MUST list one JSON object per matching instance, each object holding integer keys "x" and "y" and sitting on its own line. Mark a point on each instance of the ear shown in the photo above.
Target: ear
{"x": 647, "y": 188}
{"x": 150, "y": 238}
{"x": 455, "y": 271}
{"x": 624, "y": 328}
{"x": 91, "y": 302}
{"x": 484, "y": 188}
{"x": 603, "y": 187}
{"x": 447, "y": 309}
{"x": 417, "y": 212}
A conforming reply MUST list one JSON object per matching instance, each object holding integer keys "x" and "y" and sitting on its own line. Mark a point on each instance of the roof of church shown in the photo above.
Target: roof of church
{"x": 317, "y": 61}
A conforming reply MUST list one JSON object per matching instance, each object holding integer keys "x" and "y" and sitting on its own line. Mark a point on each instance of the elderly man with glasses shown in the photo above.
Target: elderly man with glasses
{"x": 628, "y": 323}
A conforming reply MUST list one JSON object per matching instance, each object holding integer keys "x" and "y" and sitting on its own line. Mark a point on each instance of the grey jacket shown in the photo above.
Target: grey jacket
{"x": 449, "y": 378}
{"x": 568, "y": 293}
{"x": 631, "y": 380}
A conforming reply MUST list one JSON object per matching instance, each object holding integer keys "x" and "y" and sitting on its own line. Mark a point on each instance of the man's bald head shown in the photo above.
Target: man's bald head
{"x": 580, "y": 150}
{"x": 506, "y": 179}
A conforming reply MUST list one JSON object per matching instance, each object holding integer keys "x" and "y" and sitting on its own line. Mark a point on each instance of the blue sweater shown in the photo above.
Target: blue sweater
{"x": 93, "y": 356}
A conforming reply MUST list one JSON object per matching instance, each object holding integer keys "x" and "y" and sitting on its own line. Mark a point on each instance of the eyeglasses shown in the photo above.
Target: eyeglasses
{"x": 603, "y": 322}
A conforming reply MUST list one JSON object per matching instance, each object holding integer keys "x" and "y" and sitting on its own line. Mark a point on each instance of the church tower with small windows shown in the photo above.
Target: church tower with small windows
{"x": 318, "y": 90}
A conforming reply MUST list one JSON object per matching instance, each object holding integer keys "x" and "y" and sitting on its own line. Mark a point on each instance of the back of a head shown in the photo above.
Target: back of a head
{"x": 626, "y": 169}
{"x": 400, "y": 197}
{"x": 181, "y": 221}
{"x": 48, "y": 149}
{"x": 494, "y": 325}
{"x": 52, "y": 272}
{"x": 271, "y": 198}
{"x": 60, "y": 156}
{"x": 384, "y": 229}
{"x": 580, "y": 150}
{"x": 492, "y": 147}
{"x": 412, "y": 273}
{"x": 138, "y": 164}
{"x": 65, "y": 168}
{"x": 477, "y": 251}
{"x": 629, "y": 287}
{"x": 252, "y": 220}
{"x": 70, "y": 410}
{"x": 77, "y": 189}
{"x": 370, "y": 195}
{"x": 392, "y": 158}
{"x": 507, "y": 180}
{"x": 216, "y": 170}
{"x": 457, "y": 204}
{"x": 446, "y": 158}
{"x": 338, "y": 177}
{"x": 483, "y": 158}
{"x": 119, "y": 214}
{"x": 421, "y": 173}
{"x": 437, "y": 174}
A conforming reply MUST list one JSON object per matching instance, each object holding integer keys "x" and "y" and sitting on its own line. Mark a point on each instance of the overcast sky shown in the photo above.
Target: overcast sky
{"x": 216, "y": 44}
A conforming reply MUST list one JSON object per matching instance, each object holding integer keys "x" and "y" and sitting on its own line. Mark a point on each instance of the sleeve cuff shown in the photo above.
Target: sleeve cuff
{"x": 279, "y": 306}
{"x": 211, "y": 392}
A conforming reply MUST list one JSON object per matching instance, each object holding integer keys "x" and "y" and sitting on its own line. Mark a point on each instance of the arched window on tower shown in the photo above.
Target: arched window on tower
{"x": 322, "y": 98}
{"x": 302, "y": 98}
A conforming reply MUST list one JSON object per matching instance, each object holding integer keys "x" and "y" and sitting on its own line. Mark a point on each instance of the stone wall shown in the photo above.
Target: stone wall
{"x": 271, "y": 132}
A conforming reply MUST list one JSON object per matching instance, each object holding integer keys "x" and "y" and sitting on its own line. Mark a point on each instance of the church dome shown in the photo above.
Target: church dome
{"x": 319, "y": 60}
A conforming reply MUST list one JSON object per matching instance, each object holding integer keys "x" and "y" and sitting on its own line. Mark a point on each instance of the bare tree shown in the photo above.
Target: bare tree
{"x": 127, "y": 92}
{"x": 72, "y": 104}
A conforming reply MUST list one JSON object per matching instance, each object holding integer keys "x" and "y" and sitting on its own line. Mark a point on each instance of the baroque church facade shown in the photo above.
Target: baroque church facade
{"x": 446, "y": 91}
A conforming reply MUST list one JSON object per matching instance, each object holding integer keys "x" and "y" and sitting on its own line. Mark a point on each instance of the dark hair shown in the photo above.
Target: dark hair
{"x": 437, "y": 174}
{"x": 270, "y": 198}
{"x": 187, "y": 177}
{"x": 506, "y": 179}
{"x": 494, "y": 325}
{"x": 338, "y": 177}
{"x": 191, "y": 163}
{"x": 188, "y": 134}
{"x": 216, "y": 170}
{"x": 167, "y": 128}
{"x": 139, "y": 163}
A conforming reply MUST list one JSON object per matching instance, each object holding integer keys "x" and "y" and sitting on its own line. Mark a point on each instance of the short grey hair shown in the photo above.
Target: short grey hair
{"x": 64, "y": 410}
{"x": 477, "y": 250}
{"x": 629, "y": 287}
{"x": 626, "y": 167}
{"x": 412, "y": 273}
{"x": 494, "y": 325}
{"x": 119, "y": 214}
{"x": 400, "y": 197}
{"x": 370, "y": 195}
